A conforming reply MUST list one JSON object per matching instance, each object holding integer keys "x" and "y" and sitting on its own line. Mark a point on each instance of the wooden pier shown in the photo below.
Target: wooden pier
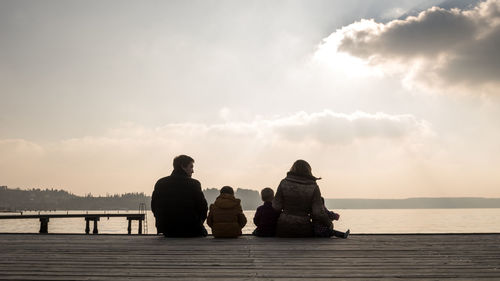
{"x": 151, "y": 257}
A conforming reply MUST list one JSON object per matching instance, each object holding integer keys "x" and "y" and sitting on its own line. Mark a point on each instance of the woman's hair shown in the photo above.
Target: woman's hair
{"x": 227, "y": 190}
{"x": 302, "y": 168}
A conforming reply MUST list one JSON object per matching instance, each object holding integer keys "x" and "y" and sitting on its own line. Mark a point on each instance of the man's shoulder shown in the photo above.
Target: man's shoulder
{"x": 190, "y": 183}
{"x": 177, "y": 182}
{"x": 161, "y": 181}
{"x": 195, "y": 181}
{"x": 178, "y": 178}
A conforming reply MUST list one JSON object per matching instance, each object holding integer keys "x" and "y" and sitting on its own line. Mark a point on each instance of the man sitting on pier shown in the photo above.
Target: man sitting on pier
{"x": 178, "y": 204}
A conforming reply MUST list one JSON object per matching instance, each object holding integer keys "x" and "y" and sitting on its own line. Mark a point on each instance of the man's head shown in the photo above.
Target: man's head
{"x": 267, "y": 194}
{"x": 185, "y": 163}
{"x": 227, "y": 190}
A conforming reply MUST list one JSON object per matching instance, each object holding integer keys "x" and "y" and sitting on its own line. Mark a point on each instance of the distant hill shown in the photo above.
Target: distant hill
{"x": 250, "y": 199}
{"x": 53, "y": 199}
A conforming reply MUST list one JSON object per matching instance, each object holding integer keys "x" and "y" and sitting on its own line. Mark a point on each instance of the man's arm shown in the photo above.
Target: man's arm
{"x": 210, "y": 218}
{"x": 201, "y": 202}
{"x": 154, "y": 199}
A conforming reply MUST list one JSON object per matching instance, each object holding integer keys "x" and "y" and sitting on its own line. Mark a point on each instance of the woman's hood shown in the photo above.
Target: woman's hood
{"x": 300, "y": 179}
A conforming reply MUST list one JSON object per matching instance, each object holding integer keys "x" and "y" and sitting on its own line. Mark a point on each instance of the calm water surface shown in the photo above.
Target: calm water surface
{"x": 359, "y": 221}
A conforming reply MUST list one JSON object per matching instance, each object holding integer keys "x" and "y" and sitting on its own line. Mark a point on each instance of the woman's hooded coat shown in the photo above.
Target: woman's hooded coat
{"x": 299, "y": 200}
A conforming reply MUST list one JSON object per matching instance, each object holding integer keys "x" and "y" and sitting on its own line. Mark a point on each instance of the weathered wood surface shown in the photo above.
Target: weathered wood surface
{"x": 150, "y": 257}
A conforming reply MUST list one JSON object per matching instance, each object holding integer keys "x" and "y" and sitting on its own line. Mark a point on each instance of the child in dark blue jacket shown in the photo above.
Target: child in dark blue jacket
{"x": 266, "y": 216}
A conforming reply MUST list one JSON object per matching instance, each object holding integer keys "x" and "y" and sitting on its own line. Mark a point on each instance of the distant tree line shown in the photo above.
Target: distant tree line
{"x": 250, "y": 199}
{"x": 57, "y": 199}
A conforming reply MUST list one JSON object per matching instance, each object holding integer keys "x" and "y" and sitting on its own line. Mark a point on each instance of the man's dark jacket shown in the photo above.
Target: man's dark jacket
{"x": 179, "y": 206}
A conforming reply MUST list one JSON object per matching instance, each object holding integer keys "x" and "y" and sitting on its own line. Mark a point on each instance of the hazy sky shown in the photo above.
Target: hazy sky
{"x": 385, "y": 99}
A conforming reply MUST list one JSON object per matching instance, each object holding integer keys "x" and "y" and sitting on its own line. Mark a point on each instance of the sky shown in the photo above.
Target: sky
{"x": 385, "y": 98}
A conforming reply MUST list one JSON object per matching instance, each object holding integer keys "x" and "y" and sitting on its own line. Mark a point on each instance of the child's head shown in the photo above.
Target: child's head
{"x": 227, "y": 190}
{"x": 267, "y": 194}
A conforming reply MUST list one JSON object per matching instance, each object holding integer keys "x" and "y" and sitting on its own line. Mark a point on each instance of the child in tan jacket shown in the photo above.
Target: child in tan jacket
{"x": 226, "y": 216}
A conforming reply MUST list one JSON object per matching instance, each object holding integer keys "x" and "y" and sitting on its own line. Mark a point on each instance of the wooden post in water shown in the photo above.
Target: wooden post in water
{"x": 87, "y": 226}
{"x": 96, "y": 219}
{"x": 44, "y": 225}
{"x": 44, "y": 220}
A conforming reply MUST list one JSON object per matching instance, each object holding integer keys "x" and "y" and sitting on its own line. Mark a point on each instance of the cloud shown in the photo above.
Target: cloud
{"x": 129, "y": 157}
{"x": 19, "y": 148}
{"x": 438, "y": 48}
{"x": 370, "y": 154}
{"x": 324, "y": 127}
{"x": 328, "y": 127}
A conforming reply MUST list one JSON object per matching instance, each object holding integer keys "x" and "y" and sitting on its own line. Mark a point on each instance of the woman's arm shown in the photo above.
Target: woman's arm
{"x": 318, "y": 210}
{"x": 278, "y": 199}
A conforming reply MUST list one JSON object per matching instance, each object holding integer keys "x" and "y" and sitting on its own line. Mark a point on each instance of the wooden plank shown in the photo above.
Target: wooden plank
{"x": 149, "y": 257}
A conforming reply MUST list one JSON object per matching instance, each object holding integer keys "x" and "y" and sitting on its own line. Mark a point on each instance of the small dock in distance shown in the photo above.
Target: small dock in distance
{"x": 44, "y": 220}
{"x": 152, "y": 257}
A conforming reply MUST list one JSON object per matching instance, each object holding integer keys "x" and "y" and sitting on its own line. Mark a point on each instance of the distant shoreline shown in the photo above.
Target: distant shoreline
{"x": 12, "y": 200}
{"x": 253, "y": 210}
{"x": 416, "y": 203}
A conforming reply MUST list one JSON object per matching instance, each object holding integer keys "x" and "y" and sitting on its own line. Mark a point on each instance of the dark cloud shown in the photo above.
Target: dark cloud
{"x": 441, "y": 47}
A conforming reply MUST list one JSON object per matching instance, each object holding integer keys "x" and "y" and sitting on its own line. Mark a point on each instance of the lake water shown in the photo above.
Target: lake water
{"x": 359, "y": 221}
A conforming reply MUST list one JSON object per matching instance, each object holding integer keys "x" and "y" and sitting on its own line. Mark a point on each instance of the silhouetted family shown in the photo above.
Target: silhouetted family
{"x": 297, "y": 209}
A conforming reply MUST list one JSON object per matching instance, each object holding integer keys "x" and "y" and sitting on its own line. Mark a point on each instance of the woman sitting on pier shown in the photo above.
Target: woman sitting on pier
{"x": 299, "y": 199}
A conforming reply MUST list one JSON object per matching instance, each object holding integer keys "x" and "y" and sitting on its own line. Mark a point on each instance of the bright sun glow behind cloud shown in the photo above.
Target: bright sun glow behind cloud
{"x": 439, "y": 50}
{"x": 328, "y": 53}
